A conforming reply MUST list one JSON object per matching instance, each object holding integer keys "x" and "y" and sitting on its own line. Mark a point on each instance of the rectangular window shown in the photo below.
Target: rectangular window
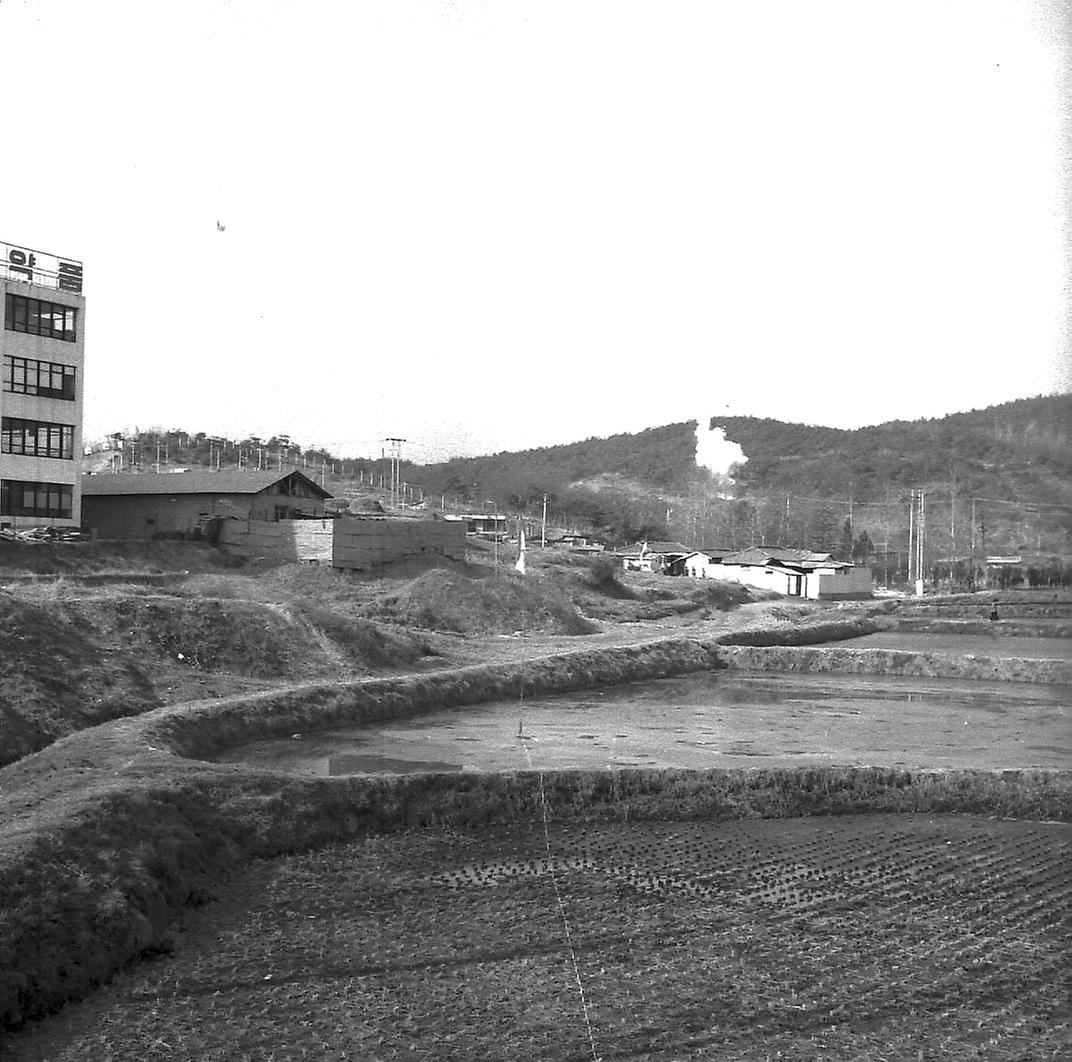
{"x": 53, "y": 500}
{"x": 40, "y": 318}
{"x": 46, "y": 379}
{"x": 34, "y": 438}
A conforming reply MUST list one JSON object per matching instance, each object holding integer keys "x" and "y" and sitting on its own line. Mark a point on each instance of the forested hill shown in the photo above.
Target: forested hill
{"x": 1021, "y": 449}
{"x": 1008, "y": 468}
{"x": 663, "y": 457}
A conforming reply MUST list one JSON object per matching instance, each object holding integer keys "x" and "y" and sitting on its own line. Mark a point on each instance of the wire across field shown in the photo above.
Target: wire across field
{"x": 866, "y": 937}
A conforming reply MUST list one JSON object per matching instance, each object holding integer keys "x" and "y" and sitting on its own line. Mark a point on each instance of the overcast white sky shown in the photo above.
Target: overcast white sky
{"x": 496, "y": 225}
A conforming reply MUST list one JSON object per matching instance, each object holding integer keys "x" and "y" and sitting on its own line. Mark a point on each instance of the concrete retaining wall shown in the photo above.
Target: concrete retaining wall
{"x": 283, "y": 540}
{"x": 370, "y": 543}
{"x": 356, "y": 543}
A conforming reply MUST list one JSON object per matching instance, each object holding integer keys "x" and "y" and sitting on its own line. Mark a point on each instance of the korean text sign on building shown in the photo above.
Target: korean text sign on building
{"x": 35, "y": 267}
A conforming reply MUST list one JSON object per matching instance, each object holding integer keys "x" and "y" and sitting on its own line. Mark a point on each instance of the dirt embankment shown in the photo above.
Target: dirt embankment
{"x": 72, "y": 657}
{"x": 75, "y": 652}
{"x": 70, "y": 663}
{"x": 846, "y": 660}
{"x": 88, "y": 559}
{"x": 445, "y": 600}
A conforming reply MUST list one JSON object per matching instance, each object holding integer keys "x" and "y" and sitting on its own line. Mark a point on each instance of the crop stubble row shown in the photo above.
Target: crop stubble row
{"x": 871, "y": 935}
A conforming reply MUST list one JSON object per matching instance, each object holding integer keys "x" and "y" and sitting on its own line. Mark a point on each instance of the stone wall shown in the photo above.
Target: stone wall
{"x": 283, "y": 540}
{"x": 357, "y": 543}
{"x": 372, "y": 542}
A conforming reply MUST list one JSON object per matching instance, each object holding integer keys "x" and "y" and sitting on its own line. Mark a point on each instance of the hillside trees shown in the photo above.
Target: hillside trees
{"x": 1014, "y": 460}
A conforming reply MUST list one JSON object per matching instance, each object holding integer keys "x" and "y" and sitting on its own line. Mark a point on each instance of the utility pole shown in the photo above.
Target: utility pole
{"x": 971, "y": 558}
{"x": 495, "y": 542}
{"x": 543, "y": 526}
{"x": 911, "y": 537}
{"x": 953, "y": 522}
{"x": 921, "y": 526}
{"x": 396, "y": 459}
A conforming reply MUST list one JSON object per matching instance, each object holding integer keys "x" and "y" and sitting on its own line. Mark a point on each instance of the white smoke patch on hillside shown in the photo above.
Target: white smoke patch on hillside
{"x": 715, "y": 453}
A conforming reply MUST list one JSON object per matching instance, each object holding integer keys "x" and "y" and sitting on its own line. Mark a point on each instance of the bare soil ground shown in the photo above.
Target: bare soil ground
{"x": 84, "y": 642}
{"x": 868, "y": 937}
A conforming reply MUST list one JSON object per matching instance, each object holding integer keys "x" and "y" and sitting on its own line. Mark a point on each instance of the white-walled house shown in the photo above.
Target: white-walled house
{"x": 703, "y": 563}
{"x": 794, "y": 572}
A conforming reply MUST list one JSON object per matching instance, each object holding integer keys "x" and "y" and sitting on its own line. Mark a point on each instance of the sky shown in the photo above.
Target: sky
{"x": 492, "y": 225}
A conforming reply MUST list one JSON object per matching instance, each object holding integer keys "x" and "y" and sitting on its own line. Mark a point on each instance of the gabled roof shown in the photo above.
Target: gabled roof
{"x": 653, "y": 547}
{"x": 668, "y": 547}
{"x": 763, "y": 555}
{"x": 229, "y": 481}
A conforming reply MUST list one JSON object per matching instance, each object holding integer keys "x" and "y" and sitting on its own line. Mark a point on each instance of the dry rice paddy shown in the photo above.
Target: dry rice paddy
{"x": 863, "y": 937}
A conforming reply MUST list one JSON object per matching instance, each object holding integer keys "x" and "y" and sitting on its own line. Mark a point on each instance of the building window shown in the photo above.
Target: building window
{"x": 46, "y": 379}
{"x": 18, "y": 498}
{"x": 33, "y": 438}
{"x": 40, "y": 318}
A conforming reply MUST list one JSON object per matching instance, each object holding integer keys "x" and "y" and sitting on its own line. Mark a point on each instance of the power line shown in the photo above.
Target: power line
{"x": 1024, "y": 504}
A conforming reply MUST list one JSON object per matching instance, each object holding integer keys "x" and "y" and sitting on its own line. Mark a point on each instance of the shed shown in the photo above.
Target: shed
{"x": 178, "y": 504}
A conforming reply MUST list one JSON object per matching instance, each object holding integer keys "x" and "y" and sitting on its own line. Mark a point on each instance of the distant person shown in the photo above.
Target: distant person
{"x": 994, "y": 611}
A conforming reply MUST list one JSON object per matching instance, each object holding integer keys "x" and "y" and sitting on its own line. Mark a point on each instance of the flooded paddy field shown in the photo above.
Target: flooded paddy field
{"x": 867, "y": 936}
{"x": 710, "y": 719}
{"x": 986, "y": 644}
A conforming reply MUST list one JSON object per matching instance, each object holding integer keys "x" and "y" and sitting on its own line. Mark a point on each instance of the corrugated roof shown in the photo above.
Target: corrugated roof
{"x": 668, "y": 547}
{"x": 228, "y": 481}
{"x": 780, "y": 554}
{"x": 652, "y": 547}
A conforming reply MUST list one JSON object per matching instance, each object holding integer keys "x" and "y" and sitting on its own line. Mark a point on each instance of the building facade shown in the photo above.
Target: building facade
{"x": 149, "y": 505}
{"x": 42, "y": 336}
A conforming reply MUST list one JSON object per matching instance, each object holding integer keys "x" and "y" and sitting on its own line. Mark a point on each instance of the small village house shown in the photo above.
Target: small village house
{"x": 796, "y": 573}
{"x": 703, "y": 563}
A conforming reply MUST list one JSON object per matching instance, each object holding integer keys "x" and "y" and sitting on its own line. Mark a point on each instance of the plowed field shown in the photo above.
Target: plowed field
{"x": 865, "y": 937}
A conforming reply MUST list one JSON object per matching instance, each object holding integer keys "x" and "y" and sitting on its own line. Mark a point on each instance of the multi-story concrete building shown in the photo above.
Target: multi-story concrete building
{"x": 41, "y": 389}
